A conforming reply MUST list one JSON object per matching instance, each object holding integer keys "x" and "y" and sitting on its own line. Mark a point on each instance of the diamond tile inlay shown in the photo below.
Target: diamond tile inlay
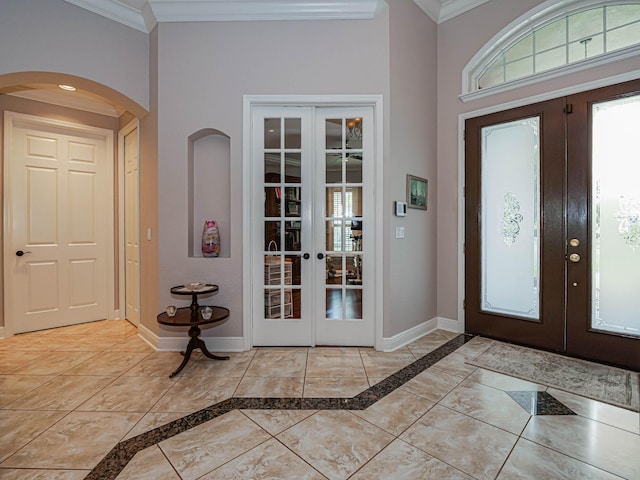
{"x": 540, "y": 403}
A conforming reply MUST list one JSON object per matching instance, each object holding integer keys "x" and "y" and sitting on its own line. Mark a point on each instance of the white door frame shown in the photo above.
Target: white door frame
{"x": 124, "y": 206}
{"x": 250, "y": 101}
{"x": 9, "y": 119}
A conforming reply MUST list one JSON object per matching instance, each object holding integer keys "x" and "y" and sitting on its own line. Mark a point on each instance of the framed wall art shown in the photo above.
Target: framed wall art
{"x": 417, "y": 192}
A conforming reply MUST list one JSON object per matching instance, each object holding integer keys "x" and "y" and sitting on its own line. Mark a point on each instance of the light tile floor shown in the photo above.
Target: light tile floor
{"x": 68, "y": 396}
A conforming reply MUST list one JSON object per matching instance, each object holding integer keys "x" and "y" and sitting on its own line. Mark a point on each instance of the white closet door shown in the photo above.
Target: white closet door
{"x": 57, "y": 198}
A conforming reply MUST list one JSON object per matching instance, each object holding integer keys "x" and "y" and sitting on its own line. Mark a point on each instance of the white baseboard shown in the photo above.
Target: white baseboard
{"x": 237, "y": 344}
{"x": 179, "y": 342}
{"x": 221, "y": 344}
{"x": 404, "y": 338}
{"x": 4, "y": 333}
{"x": 450, "y": 325}
{"x": 148, "y": 336}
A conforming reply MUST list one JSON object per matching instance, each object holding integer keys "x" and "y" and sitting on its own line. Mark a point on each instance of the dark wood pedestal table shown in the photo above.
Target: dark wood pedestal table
{"x": 188, "y": 317}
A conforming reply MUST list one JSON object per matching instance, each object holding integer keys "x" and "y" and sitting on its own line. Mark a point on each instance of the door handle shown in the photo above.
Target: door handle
{"x": 20, "y": 253}
{"x": 320, "y": 256}
{"x": 574, "y": 257}
{"x": 306, "y": 256}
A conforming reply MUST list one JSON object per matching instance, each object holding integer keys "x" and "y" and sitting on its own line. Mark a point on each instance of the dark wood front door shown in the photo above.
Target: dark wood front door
{"x": 552, "y": 227}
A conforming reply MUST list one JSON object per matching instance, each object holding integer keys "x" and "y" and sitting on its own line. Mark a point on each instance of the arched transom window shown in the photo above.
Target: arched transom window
{"x": 553, "y": 39}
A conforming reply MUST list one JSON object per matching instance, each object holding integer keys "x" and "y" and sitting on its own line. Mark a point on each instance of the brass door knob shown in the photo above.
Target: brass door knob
{"x": 574, "y": 257}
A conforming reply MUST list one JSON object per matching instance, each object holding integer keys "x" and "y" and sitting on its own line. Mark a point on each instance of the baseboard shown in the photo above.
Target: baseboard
{"x": 4, "y": 333}
{"x": 220, "y": 344}
{"x": 404, "y": 338}
{"x": 148, "y": 336}
{"x": 450, "y": 325}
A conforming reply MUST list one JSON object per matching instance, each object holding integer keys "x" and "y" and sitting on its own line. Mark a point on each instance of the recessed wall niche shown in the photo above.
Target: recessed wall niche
{"x": 209, "y": 188}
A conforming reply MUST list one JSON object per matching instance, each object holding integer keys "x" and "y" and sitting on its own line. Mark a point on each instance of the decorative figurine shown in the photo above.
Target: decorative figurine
{"x": 210, "y": 239}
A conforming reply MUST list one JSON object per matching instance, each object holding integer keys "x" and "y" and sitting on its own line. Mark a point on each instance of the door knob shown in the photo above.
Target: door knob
{"x": 306, "y": 256}
{"x": 20, "y": 253}
{"x": 320, "y": 256}
{"x": 574, "y": 242}
{"x": 574, "y": 257}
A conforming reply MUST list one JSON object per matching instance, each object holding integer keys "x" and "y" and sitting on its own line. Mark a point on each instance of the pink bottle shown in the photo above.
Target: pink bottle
{"x": 210, "y": 239}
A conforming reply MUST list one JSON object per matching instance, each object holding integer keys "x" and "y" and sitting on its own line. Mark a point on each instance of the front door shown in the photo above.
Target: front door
{"x": 312, "y": 167}
{"x": 552, "y": 225}
{"x": 56, "y": 223}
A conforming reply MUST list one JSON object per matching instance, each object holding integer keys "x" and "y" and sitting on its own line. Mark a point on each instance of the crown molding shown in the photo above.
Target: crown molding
{"x": 453, "y": 8}
{"x": 431, "y": 8}
{"x": 233, "y": 10}
{"x": 441, "y": 11}
{"x": 119, "y": 12}
{"x": 154, "y": 11}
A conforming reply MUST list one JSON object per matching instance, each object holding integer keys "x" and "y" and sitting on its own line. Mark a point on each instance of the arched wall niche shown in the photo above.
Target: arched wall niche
{"x": 209, "y": 177}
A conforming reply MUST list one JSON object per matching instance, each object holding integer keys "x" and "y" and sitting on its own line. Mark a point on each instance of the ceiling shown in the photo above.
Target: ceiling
{"x": 143, "y": 15}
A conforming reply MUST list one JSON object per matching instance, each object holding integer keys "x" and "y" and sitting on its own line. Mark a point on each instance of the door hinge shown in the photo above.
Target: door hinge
{"x": 464, "y": 248}
{"x": 464, "y": 304}
{"x": 568, "y": 108}
{"x": 464, "y": 135}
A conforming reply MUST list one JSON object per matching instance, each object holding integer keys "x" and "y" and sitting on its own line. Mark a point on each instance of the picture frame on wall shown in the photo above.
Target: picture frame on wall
{"x": 417, "y": 192}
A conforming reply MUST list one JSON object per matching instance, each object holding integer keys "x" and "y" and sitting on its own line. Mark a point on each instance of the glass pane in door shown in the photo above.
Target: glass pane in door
{"x": 510, "y": 219}
{"x": 615, "y": 213}
{"x": 343, "y": 221}
{"x": 282, "y": 219}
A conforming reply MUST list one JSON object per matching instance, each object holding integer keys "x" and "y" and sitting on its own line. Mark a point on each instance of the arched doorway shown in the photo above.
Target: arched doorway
{"x": 38, "y": 96}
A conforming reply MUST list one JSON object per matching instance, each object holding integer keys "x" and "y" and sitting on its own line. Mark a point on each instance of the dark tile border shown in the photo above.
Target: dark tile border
{"x": 118, "y": 458}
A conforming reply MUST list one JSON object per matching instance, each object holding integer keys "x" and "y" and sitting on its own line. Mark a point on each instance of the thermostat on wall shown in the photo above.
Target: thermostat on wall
{"x": 401, "y": 209}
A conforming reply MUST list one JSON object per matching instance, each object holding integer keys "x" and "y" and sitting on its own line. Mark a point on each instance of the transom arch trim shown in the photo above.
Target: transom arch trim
{"x": 544, "y": 14}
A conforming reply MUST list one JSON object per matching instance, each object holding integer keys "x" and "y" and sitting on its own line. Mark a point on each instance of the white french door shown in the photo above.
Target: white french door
{"x": 313, "y": 208}
{"x": 56, "y": 222}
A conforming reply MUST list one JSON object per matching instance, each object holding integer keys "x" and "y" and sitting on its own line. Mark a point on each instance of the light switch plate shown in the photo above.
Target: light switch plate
{"x": 399, "y": 232}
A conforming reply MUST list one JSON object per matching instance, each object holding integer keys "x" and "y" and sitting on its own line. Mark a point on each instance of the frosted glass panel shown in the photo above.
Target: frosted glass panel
{"x": 615, "y": 235}
{"x": 511, "y": 219}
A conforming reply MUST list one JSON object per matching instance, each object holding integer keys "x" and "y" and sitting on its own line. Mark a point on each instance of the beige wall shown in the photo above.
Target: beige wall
{"x": 204, "y": 71}
{"x": 458, "y": 40}
{"x": 55, "y": 36}
{"x": 149, "y": 197}
{"x": 410, "y": 263}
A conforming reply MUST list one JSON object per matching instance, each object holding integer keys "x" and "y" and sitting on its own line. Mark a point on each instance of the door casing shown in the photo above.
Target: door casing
{"x": 251, "y": 101}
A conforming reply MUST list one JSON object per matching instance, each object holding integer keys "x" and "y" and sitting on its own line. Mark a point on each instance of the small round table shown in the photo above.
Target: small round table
{"x": 194, "y": 291}
{"x": 186, "y": 317}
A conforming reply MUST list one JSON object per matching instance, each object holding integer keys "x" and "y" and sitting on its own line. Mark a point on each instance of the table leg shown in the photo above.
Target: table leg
{"x": 187, "y": 356}
{"x": 194, "y": 302}
{"x": 195, "y": 342}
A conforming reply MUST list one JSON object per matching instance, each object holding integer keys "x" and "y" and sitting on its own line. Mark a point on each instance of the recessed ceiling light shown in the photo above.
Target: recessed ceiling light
{"x": 68, "y": 88}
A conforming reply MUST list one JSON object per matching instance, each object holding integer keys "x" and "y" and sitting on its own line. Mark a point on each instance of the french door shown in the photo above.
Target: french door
{"x": 552, "y": 207}
{"x": 313, "y": 208}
